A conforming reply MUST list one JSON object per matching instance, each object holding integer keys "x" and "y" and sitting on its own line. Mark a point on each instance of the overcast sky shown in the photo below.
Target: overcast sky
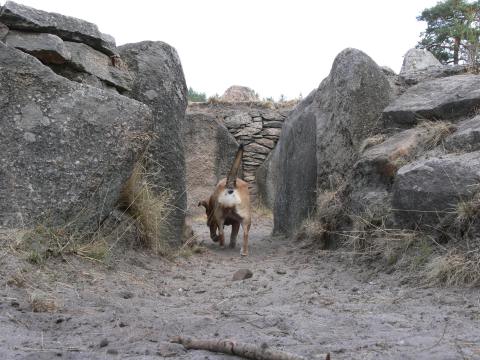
{"x": 273, "y": 46}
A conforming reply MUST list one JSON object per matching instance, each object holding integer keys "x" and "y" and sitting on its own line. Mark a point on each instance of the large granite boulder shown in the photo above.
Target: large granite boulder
{"x": 237, "y": 93}
{"x": 66, "y": 149}
{"x": 295, "y": 188}
{"x": 420, "y": 65}
{"x": 21, "y": 17}
{"x": 445, "y": 98}
{"x": 419, "y": 59}
{"x": 428, "y": 190}
{"x": 158, "y": 81}
{"x": 209, "y": 153}
{"x": 350, "y": 102}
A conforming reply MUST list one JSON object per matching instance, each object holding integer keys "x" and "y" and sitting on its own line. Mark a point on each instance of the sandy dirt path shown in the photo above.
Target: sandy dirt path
{"x": 303, "y": 301}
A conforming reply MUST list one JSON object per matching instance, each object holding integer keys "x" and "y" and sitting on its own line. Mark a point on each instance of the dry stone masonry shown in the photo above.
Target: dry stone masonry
{"x": 258, "y": 125}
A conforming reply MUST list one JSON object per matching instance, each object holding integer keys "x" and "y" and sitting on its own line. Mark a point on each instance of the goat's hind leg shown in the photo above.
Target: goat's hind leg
{"x": 213, "y": 233}
{"x": 246, "y": 229}
{"x": 221, "y": 234}
{"x": 233, "y": 235}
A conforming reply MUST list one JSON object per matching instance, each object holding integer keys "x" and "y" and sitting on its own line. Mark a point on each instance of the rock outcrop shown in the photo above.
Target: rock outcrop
{"x": 237, "y": 93}
{"x": 342, "y": 112}
{"x": 73, "y": 48}
{"x": 67, "y": 149}
{"x": 404, "y": 160}
{"x": 420, "y": 65}
{"x": 159, "y": 82}
{"x": 209, "y": 153}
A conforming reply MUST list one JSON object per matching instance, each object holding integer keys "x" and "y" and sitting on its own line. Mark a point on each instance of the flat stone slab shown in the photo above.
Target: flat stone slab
{"x": 91, "y": 61}
{"x": 467, "y": 136}
{"x": 427, "y": 190}
{"x": 48, "y": 48}
{"x": 21, "y": 17}
{"x": 445, "y": 98}
{"x": 237, "y": 120}
{"x": 380, "y": 163}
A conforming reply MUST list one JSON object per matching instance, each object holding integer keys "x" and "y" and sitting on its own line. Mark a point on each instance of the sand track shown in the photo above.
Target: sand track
{"x": 303, "y": 301}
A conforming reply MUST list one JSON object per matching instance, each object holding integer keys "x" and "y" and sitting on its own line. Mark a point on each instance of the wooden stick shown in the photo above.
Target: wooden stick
{"x": 247, "y": 351}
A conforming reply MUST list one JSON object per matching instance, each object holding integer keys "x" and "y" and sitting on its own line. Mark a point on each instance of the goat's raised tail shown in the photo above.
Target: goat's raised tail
{"x": 232, "y": 175}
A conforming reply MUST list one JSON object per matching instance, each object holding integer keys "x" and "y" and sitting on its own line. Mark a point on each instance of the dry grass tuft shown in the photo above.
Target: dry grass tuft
{"x": 372, "y": 141}
{"x": 313, "y": 231}
{"x": 149, "y": 209}
{"x": 44, "y": 242}
{"x": 437, "y": 131}
{"x": 371, "y": 238}
{"x": 189, "y": 251}
{"x": 455, "y": 268}
{"x": 459, "y": 264}
{"x": 324, "y": 223}
{"x": 468, "y": 211}
{"x": 41, "y": 302}
{"x": 17, "y": 280}
{"x": 96, "y": 250}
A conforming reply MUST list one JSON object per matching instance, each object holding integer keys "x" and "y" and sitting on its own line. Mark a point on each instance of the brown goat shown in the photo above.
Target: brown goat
{"x": 230, "y": 205}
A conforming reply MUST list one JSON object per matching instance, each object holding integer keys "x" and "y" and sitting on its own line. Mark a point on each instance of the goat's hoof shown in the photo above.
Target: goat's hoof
{"x": 231, "y": 245}
{"x": 243, "y": 253}
{"x": 215, "y": 238}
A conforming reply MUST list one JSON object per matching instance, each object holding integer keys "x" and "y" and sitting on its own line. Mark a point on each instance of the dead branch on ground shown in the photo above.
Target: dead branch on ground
{"x": 230, "y": 347}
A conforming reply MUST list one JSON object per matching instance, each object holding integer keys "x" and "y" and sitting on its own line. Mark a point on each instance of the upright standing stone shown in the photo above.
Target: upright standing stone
{"x": 159, "y": 82}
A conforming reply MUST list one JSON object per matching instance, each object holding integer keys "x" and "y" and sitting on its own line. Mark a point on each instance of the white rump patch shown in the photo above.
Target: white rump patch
{"x": 229, "y": 200}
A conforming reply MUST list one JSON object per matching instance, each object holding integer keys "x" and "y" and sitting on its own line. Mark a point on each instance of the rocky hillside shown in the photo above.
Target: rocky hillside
{"x": 77, "y": 115}
{"x": 370, "y": 150}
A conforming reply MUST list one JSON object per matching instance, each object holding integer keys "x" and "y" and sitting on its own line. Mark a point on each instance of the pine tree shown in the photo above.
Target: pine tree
{"x": 195, "y": 96}
{"x": 453, "y": 30}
